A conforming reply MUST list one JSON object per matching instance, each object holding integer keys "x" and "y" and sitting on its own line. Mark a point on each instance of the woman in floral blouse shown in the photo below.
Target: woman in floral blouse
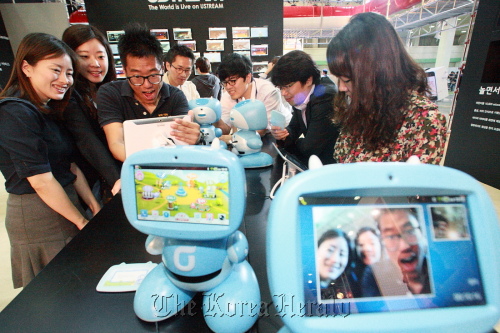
{"x": 382, "y": 106}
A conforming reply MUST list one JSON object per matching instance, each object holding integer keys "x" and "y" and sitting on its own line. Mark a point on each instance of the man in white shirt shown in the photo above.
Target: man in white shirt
{"x": 179, "y": 65}
{"x": 235, "y": 73}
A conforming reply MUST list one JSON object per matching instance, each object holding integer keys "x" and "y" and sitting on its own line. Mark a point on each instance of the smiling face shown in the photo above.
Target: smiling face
{"x": 369, "y": 247}
{"x": 241, "y": 88}
{"x": 147, "y": 93}
{"x": 331, "y": 258}
{"x": 93, "y": 60}
{"x": 179, "y": 70}
{"x": 50, "y": 78}
{"x": 296, "y": 93}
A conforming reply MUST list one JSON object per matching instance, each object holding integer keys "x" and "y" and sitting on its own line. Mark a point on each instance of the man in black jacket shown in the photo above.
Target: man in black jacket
{"x": 311, "y": 130}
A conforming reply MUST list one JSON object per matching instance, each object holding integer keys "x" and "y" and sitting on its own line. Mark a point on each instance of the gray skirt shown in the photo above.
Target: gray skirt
{"x": 36, "y": 233}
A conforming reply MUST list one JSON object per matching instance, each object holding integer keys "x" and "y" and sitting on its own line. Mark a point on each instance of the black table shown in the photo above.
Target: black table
{"x": 63, "y": 297}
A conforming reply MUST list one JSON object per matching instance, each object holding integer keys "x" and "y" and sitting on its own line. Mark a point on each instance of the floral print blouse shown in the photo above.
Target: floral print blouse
{"x": 423, "y": 133}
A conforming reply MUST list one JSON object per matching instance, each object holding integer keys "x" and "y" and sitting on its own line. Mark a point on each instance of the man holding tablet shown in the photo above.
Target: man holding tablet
{"x": 311, "y": 130}
{"x": 143, "y": 94}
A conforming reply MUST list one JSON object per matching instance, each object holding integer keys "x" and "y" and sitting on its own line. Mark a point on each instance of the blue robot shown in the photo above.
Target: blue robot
{"x": 249, "y": 116}
{"x": 202, "y": 251}
{"x": 206, "y": 112}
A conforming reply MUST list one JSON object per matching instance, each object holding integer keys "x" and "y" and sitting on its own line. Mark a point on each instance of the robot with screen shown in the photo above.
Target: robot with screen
{"x": 250, "y": 116}
{"x": 206, "y": 112}
{"x": 428, "y": 277}
{"x": 193, "y": 207}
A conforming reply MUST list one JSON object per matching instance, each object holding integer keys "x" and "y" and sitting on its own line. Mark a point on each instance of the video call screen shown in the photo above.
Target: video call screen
{"x": 379, "y": 254}
{"x": 184, "y": 195}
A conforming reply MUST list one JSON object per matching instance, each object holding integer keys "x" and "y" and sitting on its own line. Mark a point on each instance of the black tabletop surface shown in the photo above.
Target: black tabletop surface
{"x": 63, "y": 297}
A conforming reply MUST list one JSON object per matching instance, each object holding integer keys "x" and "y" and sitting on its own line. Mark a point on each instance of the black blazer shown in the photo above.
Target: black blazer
{"x": 320, "y": 134}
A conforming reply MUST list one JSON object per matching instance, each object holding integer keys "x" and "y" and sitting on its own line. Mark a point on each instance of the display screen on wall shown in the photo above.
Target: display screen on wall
{"x": 189, "y": 43}
{"x": 160, "y": 34}
{"x": 258, "y": 32}
{"x": 113, "y": 36}
{"x": 217, "y": 33}
{"x": 241, "y": 44}
{"x": 259, "y": 50}
{"x": 241, "y": 32}
{"x": 215, "y": 45}
{"x": 212, "y": 56}
{"x": 182, "y": 34}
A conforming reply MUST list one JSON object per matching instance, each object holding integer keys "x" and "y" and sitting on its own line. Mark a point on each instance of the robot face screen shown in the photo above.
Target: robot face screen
{"x": 392, "y": 253}
{"x": 182, "y": 194}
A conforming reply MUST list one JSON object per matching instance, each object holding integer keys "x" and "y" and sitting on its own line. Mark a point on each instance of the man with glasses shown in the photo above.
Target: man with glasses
{"x": 235, "y": 73}
{"x": 311, "y": 130}
{"x": 179, "y": 65}
{"x": 406, "y": 246}
{"x": 143, "y": 94}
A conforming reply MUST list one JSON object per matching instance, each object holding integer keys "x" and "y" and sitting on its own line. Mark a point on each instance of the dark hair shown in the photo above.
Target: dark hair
{"x": 295, "y": 66}
{"x": 366, "y": 229}
{"x": 33, "y": 48}
{"x": 137, "y": 41}
{"x": 203, "y": 64}
{"x": 334, "y": 233}
{"x": 234, "y": 64}
{"x": 369, "y": 52}
{"x": 77, "y": 35}
{"x": 436, "y": 217}
{"x": 179, "y": 50}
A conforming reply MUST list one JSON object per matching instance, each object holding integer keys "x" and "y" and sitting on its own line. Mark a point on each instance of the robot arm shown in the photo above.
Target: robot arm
{"x": 154, "y": 244}
{"x": 237, "y": 247}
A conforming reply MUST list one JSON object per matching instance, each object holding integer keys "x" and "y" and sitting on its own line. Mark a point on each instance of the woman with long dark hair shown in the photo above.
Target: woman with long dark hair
{"x": 382, "y": 106}
{"x": 332, "y": 260}
{"x": 96, "y": 68}
{"x": 43, "y": 210}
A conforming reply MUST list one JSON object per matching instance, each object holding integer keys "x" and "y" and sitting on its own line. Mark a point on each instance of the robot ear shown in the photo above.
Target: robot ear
{"x": 314, "y": 162}
{"x": 216, "y": 144}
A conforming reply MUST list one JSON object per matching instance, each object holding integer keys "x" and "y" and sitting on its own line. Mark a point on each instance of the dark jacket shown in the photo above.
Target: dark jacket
{"x": 320, "y": 134}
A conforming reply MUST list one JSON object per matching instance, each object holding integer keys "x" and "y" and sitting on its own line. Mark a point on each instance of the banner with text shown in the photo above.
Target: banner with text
{"x": 211, "y": 28}
{"x": 474, "y": 145}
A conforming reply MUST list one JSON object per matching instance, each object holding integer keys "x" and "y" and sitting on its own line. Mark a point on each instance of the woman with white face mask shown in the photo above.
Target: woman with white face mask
{"x": 43, "y": 210}
{"x": 96, "y": 67}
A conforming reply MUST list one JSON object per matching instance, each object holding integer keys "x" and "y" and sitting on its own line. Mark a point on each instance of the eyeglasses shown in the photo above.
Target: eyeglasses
{"x": 138, "y": 80}
{"x": 230, "y": 83}
{"x": 286, "y": 87}
{"x": 392, "y": 242}
{"x": 181, "y": 70}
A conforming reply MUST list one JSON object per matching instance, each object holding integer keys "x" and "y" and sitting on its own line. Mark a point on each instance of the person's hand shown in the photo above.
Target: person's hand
{"x": 278, "y": 133}
{"x": 116, "y": 187}
{"x": 186, "y": 130}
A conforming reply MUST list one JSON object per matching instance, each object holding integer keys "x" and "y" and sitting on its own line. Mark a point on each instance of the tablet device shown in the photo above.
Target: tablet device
{"x": 292, "y": 160}
{"x": 184, "y": 192}
{"x": 140, "y": 134}
{"x": 438, "y": 264}
{"x": 278, "y": 119}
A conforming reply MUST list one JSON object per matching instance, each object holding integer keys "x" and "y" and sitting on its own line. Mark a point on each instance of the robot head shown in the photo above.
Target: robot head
{"x": 250, "y": 114}
{"x": 206, "y": 110}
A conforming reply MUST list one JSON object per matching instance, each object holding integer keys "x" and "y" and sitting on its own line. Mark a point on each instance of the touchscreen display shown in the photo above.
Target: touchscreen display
{"x": 184, "y": 195}
{"x": 377, "y": 254}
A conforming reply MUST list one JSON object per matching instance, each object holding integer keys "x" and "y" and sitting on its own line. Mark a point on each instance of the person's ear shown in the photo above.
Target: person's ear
{"x": 309, "y": 81}
{"x": 248, "y": 78}
{"x": 27, "y": 68}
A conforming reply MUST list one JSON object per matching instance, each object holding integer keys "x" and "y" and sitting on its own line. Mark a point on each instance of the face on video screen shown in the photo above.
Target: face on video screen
{"x": 388, "y": 253}
{"x": 184, "y": 195}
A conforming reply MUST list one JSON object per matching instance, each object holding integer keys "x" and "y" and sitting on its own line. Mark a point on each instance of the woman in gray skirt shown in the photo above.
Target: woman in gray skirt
{"x": 43, "y": 212}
